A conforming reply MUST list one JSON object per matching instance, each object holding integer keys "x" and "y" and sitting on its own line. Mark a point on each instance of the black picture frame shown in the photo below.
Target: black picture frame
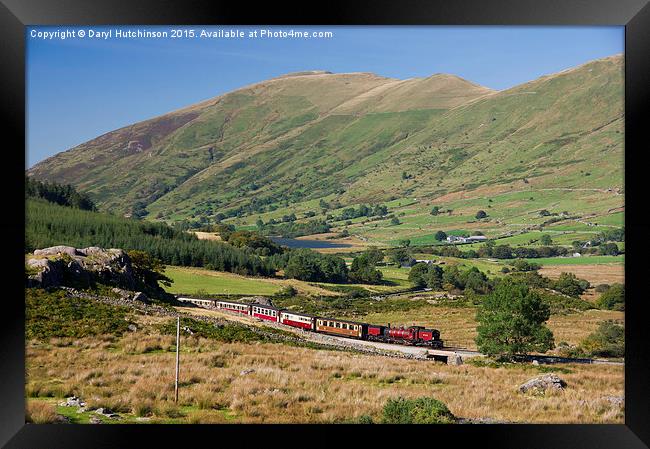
{"x": 633, "y": 14}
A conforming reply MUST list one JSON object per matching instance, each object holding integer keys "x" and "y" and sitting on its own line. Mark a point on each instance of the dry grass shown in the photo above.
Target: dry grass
{"x": 39, "y": 412}
{"x": 574, "y": 328}
{"x": 292, "y": 384}
{"x": 595, "y": 274}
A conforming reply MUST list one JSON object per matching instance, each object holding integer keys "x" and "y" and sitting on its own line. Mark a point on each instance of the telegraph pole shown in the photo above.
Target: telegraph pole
{"x": 178, "y": 341}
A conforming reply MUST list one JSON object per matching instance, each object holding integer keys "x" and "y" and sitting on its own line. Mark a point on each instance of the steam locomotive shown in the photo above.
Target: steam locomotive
{"x": 413, "y": 335}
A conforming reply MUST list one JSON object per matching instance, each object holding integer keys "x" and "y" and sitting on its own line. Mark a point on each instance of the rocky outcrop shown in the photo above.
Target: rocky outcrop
{"x": 257, "y": 300}
{"x": 64, "y": 265}
{"x": 539, "y": 385}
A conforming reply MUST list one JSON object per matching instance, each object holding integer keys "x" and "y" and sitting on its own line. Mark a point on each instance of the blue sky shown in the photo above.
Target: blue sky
{"x": 79, "y": 88}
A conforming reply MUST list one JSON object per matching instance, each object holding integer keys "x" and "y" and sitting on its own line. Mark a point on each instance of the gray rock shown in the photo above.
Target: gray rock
{"x": 542, "y": 383}
{"x": 244, "y": 372}
{"x": 618, "y": 401}
{"x": 535, "y": 362}
{"x": 132, "y": 327}
{"x": 109, "y": 266}
{"x": 95, "y": 420}
{"x": 257, "y": 300}
{"x": 454, "y": 359}
{"x": 55, "y": 250}
{"x": 73, "y": 401}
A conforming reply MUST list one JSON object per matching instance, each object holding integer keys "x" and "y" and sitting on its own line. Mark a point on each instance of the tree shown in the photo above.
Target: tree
{"x": 148, "y": 270}
{"x": 363, "y": 267}
{"x": 418, "y": 273}
{"x": 613, "y": 298}
{"x": 433, "y": 277}
{"x": 435, "y": 210}
{"x": 511, "y": 322}
{"x": 440, "y": 236}
{"x": 394, "y": 221}
{"x": 308, "y": 265}
{"x": 570, "y": 285}
{"x": 546, "y": 240}
{"x": 608, "y": 249}
{"x": 405, "y": 243}
{"x": 401, "y": 256}
{"x": 481, "y": 214}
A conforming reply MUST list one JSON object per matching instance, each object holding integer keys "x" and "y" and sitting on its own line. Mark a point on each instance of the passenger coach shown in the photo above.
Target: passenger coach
{"x": 341, "y": 328}
{"x": 300, "y": 320}
{"x": 268, "y": 313}
{"x": 233, "y": 307}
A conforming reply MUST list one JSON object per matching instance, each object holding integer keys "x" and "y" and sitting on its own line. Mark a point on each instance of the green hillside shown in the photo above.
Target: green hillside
{"x": 278, "y": 147}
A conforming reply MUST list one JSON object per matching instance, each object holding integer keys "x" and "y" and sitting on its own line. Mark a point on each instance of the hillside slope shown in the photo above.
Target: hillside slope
{"x": 357, "y": 137}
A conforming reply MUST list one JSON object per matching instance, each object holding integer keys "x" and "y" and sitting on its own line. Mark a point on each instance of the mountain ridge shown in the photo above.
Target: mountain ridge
{"x": 293, "y": 139}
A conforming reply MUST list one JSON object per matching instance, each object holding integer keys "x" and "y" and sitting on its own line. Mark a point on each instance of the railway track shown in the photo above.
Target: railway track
{"x": 419, "y": 352}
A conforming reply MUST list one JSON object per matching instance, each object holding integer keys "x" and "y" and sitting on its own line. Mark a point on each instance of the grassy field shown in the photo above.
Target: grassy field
{"x": 267, "y": 383}
{"x": 585, "y": 260}
{"x": 191, "y": 280}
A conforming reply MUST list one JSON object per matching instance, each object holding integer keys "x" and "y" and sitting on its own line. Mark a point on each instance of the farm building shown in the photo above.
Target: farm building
{"x": 472, "y": 239}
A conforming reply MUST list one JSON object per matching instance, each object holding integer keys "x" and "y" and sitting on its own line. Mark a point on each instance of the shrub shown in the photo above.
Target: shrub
{"x": 570, "y": 285}
{"x": 607, "y": 341}
{"x": 53, "y": 314}
{"x": 613, "y": 298}
{"x": 40, "y": 412}
{"x": 601, "y": 288}
{"x": 416, "y": 411}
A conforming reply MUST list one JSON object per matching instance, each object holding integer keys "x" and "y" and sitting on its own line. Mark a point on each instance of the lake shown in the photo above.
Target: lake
{"x": 313, "y": 244}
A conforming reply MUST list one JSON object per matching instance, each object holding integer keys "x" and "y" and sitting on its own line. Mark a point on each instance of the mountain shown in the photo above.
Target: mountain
{"x": 351, "y": 138}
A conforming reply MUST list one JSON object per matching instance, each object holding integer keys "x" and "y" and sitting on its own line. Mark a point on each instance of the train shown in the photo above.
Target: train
{"x": 412, "y": 335}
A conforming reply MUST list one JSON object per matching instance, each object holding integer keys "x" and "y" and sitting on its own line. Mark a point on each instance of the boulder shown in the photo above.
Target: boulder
{"x": 50, "y": 273}
{"x": 80, "y": 267}
{"x": 257, "y": 300}
{"x": 454, "y": 359}
{"x": 542, "y": 383}
{"x": 246, "y": 371}
{"x": 617, "y": 401}
{"x": 73, "y": 401}
{"x": 56, "y": 250}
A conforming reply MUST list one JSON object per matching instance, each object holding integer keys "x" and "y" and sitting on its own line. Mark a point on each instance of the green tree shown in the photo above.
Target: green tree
{"x": 406, "y": 243}
{"x": 511, "y": 322}
{"x": 546, "y": 240}
{"x": 394, "y": 221}
{"x": 418, "y": 274}
{"x": 481, "y": 214}
{"x": 440, "y": 236}
{"x": 435, "y": 210}
{"x": 613, "y": 298}
{"x": 401, "y": 256}
{"x": 608, "y": 249}
{"x": 148, "y": 270}
{"x": 308, "y": 265}
{"x": 607, "y": 341}
{"x": 433, "y": 277}
{"x": 570, "y": 285}
{"x": 363, "y": 267}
